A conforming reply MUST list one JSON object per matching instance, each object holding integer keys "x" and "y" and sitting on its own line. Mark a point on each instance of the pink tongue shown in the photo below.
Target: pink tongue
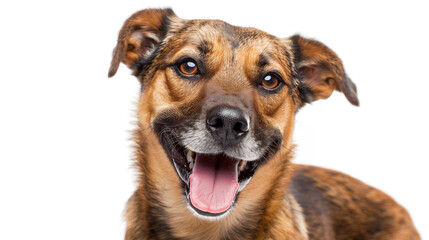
{"x": 213, "y": 182}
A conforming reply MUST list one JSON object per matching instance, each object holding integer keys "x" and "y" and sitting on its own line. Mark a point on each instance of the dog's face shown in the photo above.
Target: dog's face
{"x": 222, "y": 99}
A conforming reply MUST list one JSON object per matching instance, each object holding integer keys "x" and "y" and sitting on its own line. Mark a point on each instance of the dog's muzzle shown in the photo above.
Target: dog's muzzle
{"x": 216, "y": 154}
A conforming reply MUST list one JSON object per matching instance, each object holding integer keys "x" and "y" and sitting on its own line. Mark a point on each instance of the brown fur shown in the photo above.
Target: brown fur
{"x": 283, "y": 200}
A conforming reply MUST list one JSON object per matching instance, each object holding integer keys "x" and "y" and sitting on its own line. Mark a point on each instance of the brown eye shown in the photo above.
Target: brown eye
{"x": 188, "y": 67}
{"x": 270, "y": 82}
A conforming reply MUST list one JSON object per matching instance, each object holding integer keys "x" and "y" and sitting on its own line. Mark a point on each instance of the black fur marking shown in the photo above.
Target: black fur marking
{"x": 158, "y": 227}
{"x": 205, "y": 47}
{"x": 229, "y": 32}
{"x": 296, "y": 49}
{"x": 166, "y": 22}
{"x": 263, "y": 60}
{"x": 143, "y": 65}
{"x": 313, "y": 204}
{"x": 304, "y": 91}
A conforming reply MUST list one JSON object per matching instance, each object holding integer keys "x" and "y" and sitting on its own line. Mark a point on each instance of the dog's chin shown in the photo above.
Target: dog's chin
{"x": 211, "y": 182}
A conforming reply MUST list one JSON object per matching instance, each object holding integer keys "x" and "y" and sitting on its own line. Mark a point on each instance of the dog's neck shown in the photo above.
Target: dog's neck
{"x": 159, "y": 201}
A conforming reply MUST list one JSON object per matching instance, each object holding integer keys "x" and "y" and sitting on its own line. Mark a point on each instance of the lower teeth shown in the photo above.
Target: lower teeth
{"x": 242, "y": 165}
{"x": 190, "y": 158}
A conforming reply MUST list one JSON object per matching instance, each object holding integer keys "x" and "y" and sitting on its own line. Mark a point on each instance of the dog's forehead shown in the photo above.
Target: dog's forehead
{"x": 212, "y": 30}
{"x": 224, "y": 43}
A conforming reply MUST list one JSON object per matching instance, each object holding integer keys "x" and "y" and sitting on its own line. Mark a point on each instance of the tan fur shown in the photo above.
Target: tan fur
{"x": 298, "y": 215}
{"x": 282, "y": 200}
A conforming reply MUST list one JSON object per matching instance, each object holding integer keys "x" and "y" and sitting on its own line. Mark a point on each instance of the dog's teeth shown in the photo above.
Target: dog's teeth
{"x": 191, "y": 165}
{"x": 189, "y": 155}
{"x": 242, "y": 165}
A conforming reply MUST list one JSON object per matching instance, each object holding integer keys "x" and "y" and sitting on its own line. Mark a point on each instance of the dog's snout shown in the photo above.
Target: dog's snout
{"x": 227, "y": 124}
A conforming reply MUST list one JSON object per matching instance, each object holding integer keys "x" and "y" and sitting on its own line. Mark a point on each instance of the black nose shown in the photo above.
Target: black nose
{"x": 227, "y": 124}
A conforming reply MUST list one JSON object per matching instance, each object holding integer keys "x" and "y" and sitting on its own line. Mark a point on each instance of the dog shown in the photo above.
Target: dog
{"x": 213, "y": 146}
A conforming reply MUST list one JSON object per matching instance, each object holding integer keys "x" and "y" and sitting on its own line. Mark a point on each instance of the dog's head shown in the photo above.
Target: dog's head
{"x": 222, "y": 99}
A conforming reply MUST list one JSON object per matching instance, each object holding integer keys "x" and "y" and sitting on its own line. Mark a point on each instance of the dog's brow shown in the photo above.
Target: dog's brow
{"x": 204, "y": 47}
{"x": 226, "y": 31}
{"x": 263, "y": 60}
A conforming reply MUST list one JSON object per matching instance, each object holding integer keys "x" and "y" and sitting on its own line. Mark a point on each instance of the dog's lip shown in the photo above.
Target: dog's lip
{"x": 221, "y": 152}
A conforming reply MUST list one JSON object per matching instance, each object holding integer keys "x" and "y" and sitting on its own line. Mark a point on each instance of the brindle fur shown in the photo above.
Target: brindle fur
{"x": 283, "y": 200}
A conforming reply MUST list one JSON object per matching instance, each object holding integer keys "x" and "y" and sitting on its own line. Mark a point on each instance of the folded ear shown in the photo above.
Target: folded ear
{"x": 320, "y": 71}
{"x": 139, "y": 36}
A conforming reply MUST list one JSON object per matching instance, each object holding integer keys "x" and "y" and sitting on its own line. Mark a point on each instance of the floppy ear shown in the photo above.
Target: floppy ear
{"x": 320, "y": 71}
{"x": 139, "y": 36}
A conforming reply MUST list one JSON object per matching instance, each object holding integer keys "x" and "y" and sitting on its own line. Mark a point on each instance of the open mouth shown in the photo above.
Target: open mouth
{"x": 212, "y": 182}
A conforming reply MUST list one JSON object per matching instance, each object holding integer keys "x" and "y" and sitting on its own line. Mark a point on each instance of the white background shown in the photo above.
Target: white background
{"x": 64, "y": 127}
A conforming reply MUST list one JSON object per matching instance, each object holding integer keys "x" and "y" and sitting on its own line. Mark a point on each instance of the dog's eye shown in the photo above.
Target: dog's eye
{"x": 188, "y": 67}
{"x": 270, "y": 82}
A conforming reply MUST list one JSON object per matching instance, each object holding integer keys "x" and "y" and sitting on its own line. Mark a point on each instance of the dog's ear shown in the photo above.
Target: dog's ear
{"x": 139, "y": 36}
{"x": 320, "y": 71}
